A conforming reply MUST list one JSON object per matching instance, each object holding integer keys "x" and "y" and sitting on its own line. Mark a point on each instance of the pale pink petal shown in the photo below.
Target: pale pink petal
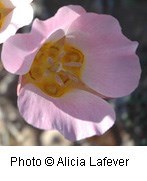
{"x": 111, "y": 66}
{"x": 15, "y": 20}
{"x": 76, "y": 115}
{"x": 17, "y": 3}
{"x": 67, "y": 14}
{"x": 70, "y": 10}
{"x": 62, "y": 20}
{"x": 27, "y": 45}
{"x": 56, "y": 35}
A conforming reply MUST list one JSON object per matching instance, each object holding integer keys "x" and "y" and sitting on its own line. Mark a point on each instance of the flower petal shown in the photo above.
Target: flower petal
{"x": 67, "y": 14}
{"x": 7, "y": 3}
{"x": 15, "y": 20}
{"x": 7, "y": 29}
{"x": 20, "y": 17}
{"x": 17, "y": 3}
{"x": 70, "y": 10}
{"x": 76, "y": 115}
{"x": 62, "y": 19}
{"x": 111, "y": 66}
{"x": 27, "y": 45}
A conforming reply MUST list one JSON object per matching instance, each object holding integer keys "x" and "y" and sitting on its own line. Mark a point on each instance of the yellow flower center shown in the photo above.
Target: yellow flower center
{"x": 56, "y": 67}
{"x": 3, "y": 13}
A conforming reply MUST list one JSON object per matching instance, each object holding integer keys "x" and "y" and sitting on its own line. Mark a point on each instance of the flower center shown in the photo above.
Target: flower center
{"x": 56, "y": 67}
{"x": 3, "y": 13}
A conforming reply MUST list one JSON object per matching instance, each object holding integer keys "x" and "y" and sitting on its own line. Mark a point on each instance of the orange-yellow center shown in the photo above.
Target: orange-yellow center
{"x": 56, "y": 67}
{"x": 4, "y": 11}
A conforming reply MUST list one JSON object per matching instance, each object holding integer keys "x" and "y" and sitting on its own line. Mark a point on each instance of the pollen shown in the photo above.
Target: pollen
{"x": 56, "y": 67}
{"x": 4, "y": 11}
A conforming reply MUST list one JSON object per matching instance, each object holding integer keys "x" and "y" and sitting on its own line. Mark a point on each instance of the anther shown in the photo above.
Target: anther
{"x": 56, "y": 67}
{"x": 72, "y": 76}
{"x": 59, "y": 80}
{"x": 61, "y": 55}
{"x": 73, "y": 64}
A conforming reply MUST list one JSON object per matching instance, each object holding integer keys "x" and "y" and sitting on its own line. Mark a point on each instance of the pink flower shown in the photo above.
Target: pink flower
{"x": 67, "y": 65}
{"x": 14, "y": 14}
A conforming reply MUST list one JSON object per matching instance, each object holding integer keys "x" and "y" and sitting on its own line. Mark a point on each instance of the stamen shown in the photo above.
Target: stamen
{"x": 59, "y": 80}
{"x": 61, "y": 55}
{"x": 72, "y": 76}
{"x": 64, "y": 77}
{"x": 56, "y": 67}
{"x": 73, "y": 64}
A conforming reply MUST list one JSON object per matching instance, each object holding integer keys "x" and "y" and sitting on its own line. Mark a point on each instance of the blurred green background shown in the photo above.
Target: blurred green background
{"x": 131, "y": 123}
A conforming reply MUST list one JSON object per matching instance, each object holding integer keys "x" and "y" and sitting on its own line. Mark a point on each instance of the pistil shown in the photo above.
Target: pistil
{"x": 56, "y": 66}
{"x": 57, "y": 69}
